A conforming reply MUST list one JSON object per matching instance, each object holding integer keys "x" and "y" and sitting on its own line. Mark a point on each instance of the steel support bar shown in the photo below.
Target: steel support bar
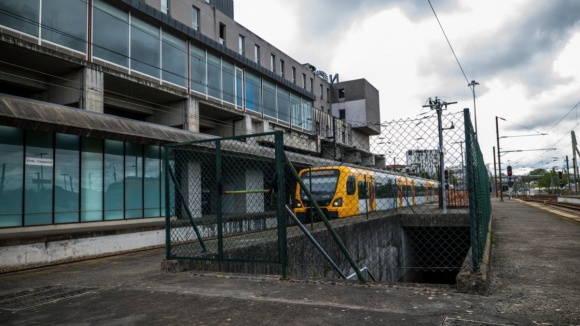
{"x": 315, "y": 243}
{"x": 364, "y": 269}
{"x": 178, "y": 191}
{"x": 280, "y": 204}
{"x": 325, "y": 220}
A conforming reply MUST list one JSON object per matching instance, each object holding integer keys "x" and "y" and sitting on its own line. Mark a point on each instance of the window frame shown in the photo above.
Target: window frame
{"x": 241, "y": 45}
{"x": 195, "y": 14}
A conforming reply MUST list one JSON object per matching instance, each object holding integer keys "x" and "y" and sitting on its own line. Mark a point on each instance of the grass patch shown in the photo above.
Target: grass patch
{"x": 492, "y": 237}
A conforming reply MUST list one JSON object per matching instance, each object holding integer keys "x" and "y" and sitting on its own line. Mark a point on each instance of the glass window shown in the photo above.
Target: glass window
{"x": 91, "y": 179}
{"x": 222, "y": 34}
{"x": 328, "y": 95}
{"x": 214, "y": 76}
{"x": 228, "y": 81}
{"x": 39, "y": 176}
{"x": 269, "y": 99}
{"x": 110, "y": 33}
{"x": 239, "y": 87}
{"x": 152, "y": 189}
{"x": 174, "y": 60}
{"x": 195, "y": 18}
{"x": 282, "y": 68}
{"x": 283, "y": 105}
{"x": 133, "y": 180}
{"x": 66, "y": 180}
{"x": 21, "y": 15}
{"x": 114, "y": 186}
{"x": 253, "y": 92}
{"x": 294, "y": 75}
{"x": 198, "y": 69}
{"x": 311, "y": 85}
{"x": 257, "y": 53}
{"x": 321, "y": 91}
{"x": 165, "y": 6}
{"x": 304, "y": 81}
{"x": 341, "y": 93}
{"x": 11, "y": 175}
{"x": 145, "y": 52}
{"x": 273, "y": 63}
{"x": 307, "y": 114}
{"x": 61, "y": 20}
{"x": 241, "y": 45}
{"x": 296, "y": 110}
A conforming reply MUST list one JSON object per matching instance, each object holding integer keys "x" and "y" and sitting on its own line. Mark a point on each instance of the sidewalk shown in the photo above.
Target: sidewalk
{"x": 535, "y": 267}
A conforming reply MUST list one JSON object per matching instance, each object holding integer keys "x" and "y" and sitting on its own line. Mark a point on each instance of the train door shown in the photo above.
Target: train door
{"x": 363, "y": 196}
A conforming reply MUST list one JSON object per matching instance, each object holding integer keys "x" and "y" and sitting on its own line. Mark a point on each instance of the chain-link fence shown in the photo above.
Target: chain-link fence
{"x": 479, "y": 194}
{"x": 388, "y": 201}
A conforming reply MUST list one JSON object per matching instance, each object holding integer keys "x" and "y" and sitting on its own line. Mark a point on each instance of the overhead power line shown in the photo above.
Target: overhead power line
{"x": 448, "y": 42}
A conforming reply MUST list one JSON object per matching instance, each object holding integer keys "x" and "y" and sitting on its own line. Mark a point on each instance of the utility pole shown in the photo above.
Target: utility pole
{"x": 499, "y": 160}
{"x": 568, "y": 172}
{"x": 495, "y": 173}
{"x": 472, "y": 85}
{"x": 437, "y": 105}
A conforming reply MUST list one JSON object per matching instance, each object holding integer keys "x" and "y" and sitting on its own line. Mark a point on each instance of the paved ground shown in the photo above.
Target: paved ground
{"x": 535, "y": 267}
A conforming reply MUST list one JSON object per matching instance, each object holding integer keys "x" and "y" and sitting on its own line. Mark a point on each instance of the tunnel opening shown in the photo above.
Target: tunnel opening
{"x": 434, "y": 254}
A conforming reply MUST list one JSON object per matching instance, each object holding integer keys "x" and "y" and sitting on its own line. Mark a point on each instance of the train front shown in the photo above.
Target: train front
{"x": 323, "y": 184}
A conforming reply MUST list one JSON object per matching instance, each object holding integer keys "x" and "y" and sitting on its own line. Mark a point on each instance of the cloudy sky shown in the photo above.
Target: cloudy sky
{"x": 524, "y": 53}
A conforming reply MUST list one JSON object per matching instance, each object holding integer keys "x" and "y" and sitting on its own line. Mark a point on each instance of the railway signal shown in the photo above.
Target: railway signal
{"x": 509, "y": 170}
{"x": 446, "y": 175}
{"x": 560, "y": 175}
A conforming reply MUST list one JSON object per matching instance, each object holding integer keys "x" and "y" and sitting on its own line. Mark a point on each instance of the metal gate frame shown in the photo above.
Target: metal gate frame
{"x": 280, "y": 204}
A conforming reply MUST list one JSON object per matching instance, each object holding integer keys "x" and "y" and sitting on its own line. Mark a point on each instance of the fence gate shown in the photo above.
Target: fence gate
{"x": 225, "y": 199}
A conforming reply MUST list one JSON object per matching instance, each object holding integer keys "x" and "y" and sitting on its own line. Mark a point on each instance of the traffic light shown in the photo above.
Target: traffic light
{"x": 446, "y": 174}
{"x": 560, "y": 175}
{"x": 509, "y": 169}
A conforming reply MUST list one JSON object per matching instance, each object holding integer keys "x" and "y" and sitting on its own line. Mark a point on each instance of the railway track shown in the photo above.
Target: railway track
{"x": 567, "y": 207}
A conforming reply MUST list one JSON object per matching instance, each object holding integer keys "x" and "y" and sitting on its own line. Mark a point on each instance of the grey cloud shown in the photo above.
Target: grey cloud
{"x": 522, "y": 51}
{"x": 323, "y": 17}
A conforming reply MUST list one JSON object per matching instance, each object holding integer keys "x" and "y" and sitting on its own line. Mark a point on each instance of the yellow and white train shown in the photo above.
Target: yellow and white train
{"x": 343, "y": 191}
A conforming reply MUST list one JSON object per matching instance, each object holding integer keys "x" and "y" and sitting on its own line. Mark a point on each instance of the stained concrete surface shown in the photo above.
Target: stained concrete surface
{"x": 534, "y": 281}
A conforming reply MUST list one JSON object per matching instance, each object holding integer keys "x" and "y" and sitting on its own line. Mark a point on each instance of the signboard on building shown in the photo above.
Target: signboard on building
{"x": 39, "y": 161}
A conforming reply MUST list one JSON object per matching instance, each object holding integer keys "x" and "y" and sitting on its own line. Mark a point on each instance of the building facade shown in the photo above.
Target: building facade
{"x": 90, "y": 91}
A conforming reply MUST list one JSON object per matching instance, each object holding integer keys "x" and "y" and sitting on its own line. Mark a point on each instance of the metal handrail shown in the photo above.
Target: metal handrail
{"x": 364, "y": 269}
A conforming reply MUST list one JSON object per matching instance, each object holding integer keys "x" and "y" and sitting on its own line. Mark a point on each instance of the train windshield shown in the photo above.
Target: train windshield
{"x": 323, "y": 181}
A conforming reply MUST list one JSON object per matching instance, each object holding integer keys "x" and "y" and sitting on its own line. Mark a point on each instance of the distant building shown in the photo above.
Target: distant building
{"x": 423, "y": 161}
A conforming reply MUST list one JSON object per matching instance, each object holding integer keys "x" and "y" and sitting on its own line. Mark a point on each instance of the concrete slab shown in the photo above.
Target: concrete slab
{"x": 534, "y": 281}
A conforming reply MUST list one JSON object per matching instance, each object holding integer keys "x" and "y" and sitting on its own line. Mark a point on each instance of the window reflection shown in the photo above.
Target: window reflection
{"x": 25, "y": 15}
{"x": 114, "y": 174}
{"x": 66, "y": 181}
{"x": 152, "y": 204}
{"x": 91, "y": 180}
{"x": 145, "y": 52}
{"x": 38, "y": 171}
{"x": 61, "y": 20}
{"x": 133, "y": 180}
{"x": 174, "y": 59}
{"x": 110, "y": 33}
{"x": 11, "y": 176}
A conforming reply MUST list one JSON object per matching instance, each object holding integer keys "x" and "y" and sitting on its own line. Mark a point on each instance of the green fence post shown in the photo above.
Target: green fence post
{"x": 167, "y": 203}
{"x": 281, "y": 201}
{"x": 218, "y": 172}
{"x": 471, "y": 187}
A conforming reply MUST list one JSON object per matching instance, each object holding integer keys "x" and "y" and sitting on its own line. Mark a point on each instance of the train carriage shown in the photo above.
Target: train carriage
{"x": 343, "y": 191}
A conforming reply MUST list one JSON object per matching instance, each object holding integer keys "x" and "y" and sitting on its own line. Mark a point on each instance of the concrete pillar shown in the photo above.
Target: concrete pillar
{"x": 193, "y": 114}
{"x": 92, "y": 97}
{"x": 243, "y": 126}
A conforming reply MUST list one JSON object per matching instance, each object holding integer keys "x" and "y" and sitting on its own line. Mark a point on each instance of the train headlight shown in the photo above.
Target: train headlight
{"x": 298, "y": 204}
{"x": 337, "y": 202}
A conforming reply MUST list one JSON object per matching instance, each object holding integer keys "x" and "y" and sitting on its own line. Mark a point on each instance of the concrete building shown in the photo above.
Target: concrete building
{"x": 90, "y": 90}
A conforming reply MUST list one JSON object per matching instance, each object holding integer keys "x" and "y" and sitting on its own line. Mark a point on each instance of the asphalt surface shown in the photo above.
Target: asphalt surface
{"x": 535, "y": 267}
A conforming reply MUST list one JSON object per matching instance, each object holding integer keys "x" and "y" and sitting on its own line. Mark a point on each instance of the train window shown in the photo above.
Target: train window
{"x": 350, "y": 186}
{"x": 363, "y": 190}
